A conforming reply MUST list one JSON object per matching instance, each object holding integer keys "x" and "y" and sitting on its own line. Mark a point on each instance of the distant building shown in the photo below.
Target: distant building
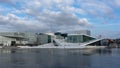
{"x": 43, "y": 38}
{"x": 6, "y": 41}
{"x": 23, "y": 38}
{"x": 58, "y": 35}
{"x": 79, "y": 38}
{"x": 13, "y": 38}
{"x": 85, "y": 32}
{"x": 27, "y": 38}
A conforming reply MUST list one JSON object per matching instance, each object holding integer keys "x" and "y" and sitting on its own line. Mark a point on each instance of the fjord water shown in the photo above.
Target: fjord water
{"x": 59, "y": 58}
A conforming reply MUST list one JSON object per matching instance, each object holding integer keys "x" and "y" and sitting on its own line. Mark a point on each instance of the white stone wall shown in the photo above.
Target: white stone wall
{"x": 6, "y": 41}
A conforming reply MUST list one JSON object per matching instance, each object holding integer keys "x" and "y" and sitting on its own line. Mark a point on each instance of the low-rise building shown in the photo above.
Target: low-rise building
{"x": 78, "y": 38}
{"x": 43, "y": 39}
{"x": 6, "y": 41}
{"x": 86, "y": 32}
{"x": 12, "y": 38}
{"x": 23, "y": 38}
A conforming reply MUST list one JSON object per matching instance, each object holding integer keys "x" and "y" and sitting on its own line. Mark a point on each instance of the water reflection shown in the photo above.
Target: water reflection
{"x": 7, "y": 50}
{"x": 59, "y": 58}
{"x": 104, "y": 51}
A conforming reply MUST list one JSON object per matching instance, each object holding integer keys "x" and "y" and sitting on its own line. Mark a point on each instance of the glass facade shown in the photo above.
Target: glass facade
{"x": 78, "y": 38}
{"x": 87, "y": 38}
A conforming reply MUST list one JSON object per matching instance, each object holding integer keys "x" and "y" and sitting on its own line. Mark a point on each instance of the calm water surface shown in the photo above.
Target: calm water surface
{"x": 59, "y": 58}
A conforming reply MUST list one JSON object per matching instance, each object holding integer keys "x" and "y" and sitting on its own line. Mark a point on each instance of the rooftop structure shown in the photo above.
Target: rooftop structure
{"x": 86, "y": 32}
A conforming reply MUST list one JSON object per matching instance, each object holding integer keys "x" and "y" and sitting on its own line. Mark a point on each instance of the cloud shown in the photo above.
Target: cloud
{"x": 117, "y": 2}
{"x": 10, "y": 2}
{"x": 45, "y": 22}
{"x": 84, "y": 22}
{"x": 58, "y": 19}
{"x": 73, "y": 10}
{"x": 54, "y": 15}
{"x": 3, "y": 1}
{"x": 98, "y": 8}
{"x": 19, "y": 24}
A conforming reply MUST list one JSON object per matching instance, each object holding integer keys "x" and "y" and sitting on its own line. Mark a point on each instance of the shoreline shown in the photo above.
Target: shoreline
{"x": 51, "y": 46}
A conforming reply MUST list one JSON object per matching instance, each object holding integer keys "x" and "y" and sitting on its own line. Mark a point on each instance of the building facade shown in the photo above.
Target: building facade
{"x": 43, "y": 39}
{"x": 23, "y": 38}
{"x": 76, "y": 38}
{"x": 85, "y": 32}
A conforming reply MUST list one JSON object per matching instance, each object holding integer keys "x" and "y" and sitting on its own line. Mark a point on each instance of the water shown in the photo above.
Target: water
{"x": 59, "y": 58}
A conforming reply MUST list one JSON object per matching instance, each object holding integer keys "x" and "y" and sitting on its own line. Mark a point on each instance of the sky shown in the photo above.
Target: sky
{"x": 101, "y": 17}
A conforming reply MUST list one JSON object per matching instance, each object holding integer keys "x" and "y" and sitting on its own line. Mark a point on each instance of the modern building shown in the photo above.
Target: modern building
{"x": 43, "y": 38}
{"x": 85, "y": 32}
{"x": 59, "y": 35}
{"x": 27, "y": 38}
{"x": 6, "y": 41}
{"x": 79, "y": 38}
{"x": 23, "y": 38}
{"x": 12, "y": 38}
{"x": 31, "y": 38}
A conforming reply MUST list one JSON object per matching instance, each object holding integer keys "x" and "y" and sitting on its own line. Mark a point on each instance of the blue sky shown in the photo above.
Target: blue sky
{"x": 102, "y": 17}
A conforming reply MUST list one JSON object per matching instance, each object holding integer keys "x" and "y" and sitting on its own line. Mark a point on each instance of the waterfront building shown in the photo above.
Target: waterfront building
{"x": 12, "y": 38}
{"x": 31, "y": 38}
{"x": 6, "y": 41}
{"x": 43, "y": 38}
{"x": 85, "y": 32}
{"x": 27, "y": 38}
{"x": 79, "y": 38}
{"x": 58, "y": 35}
{"x": 23, "y": 38}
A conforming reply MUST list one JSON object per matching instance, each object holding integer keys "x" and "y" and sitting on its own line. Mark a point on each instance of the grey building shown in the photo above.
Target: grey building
{"x": 77, "y": 38}
{"x": 31, "y": 38}
{"x": 86, "y": 32}
{"x": 43, "y": 38}
{"x": 12, "y": 38}
{"x": 6, "y": 41}
{"x": 23, "y": 38}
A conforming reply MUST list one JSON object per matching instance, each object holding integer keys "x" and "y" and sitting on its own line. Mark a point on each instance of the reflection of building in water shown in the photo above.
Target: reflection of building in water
{"x": 79, "y": 61}
{"x": 7, "y": 50}
{"x": 104, "y": 51}
{"x": 67, "y": 59}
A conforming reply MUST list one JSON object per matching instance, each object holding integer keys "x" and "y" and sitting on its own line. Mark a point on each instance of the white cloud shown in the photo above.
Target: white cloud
{"x": 72, "y": 9}
{"x": 21, "y": 24}
{"x": 84, "y": 22}
{"x": 98, "y": 8}
{"x": 10, "y": 2}
{"x": 53, "y": 14}
{"x": 3, "y": 1}
{"x": 117, "y": 2}
{"x": 44, "y": 22}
